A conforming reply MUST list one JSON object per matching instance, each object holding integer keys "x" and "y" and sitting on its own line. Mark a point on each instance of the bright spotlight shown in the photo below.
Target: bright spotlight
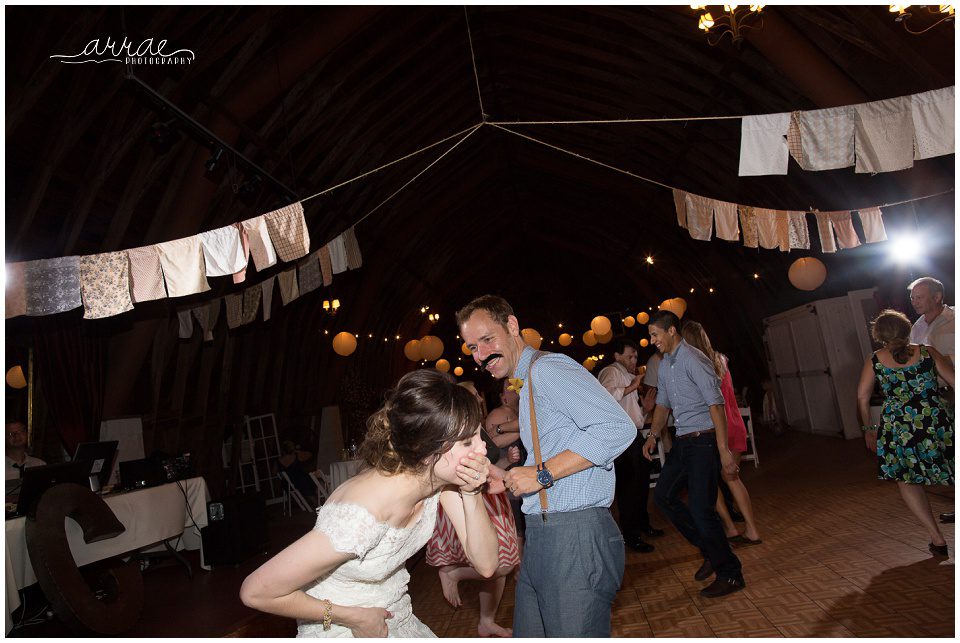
{"x": 906, "y": 248}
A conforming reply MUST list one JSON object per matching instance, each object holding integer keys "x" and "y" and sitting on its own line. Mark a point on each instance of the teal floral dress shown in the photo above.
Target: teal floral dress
{"x": 915, "y": 440}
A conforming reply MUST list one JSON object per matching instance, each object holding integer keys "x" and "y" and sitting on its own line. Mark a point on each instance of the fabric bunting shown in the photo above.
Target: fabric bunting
{"x": 52, "y": 285}
{"x": 288, "y": 232}
{"x": 241, "y": 275}
{"x": 933, "y": 123}
{"x": 763, "y": 144}
{"x": 354, "y": 260}
{"x": 182, "y": 264}
{"x": 288, "y": 285}
{"x": 185, "y": 320}
{"x": 267, "y": 286}
{"x": 326, "y": 267}
{"x": 338, "y": 255}
{"x": 308, "y": 273}
{"x": 16, "y": 291}
{"x": 234, "y": 305}
{"x": 884, "y": 136}
{"x": 251, "y": 303}
{"x": 105, "y": 284}
{"x": 223, "y": 251}
{"x": 261, "y": 248}
{"x": 872, "y": 221}
{"x": 146, "y": 276}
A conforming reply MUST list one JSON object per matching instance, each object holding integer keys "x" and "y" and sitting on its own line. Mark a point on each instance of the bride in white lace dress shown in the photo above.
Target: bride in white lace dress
{"x": 347, "y": 577}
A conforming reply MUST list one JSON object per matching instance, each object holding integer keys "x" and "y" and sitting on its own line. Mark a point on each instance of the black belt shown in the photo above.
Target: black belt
{"x": 695, "y": 434}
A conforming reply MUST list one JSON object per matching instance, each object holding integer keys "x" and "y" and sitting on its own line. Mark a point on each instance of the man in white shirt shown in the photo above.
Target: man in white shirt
{"x": 622, "y": 381}
{"x": 934, "y": 328}
{"x": 17, "y": 458}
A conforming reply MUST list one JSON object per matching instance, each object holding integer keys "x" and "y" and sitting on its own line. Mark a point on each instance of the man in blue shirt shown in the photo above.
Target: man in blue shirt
{"x": 689, "y": 386}
{"x": 573, "y": 558}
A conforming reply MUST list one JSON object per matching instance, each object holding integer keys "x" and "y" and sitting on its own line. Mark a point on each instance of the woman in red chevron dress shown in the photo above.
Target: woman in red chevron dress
{"x": 445, "y": 551}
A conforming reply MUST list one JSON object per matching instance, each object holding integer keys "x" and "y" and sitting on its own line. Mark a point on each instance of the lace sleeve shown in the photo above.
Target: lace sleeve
{"x": 350, "y": 528}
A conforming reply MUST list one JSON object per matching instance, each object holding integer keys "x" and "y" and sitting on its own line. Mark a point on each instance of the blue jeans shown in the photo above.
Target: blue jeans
{"x": 694, "y": 463}
{"x": 571, "y": 571}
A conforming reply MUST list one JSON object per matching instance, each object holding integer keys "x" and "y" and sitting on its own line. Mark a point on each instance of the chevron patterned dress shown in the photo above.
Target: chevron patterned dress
{"x": 444, "y": 547}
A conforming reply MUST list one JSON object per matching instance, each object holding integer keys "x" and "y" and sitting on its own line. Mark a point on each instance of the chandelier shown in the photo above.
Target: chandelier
{"x": 904, "y": 15}
{"x": 734, "y": 20}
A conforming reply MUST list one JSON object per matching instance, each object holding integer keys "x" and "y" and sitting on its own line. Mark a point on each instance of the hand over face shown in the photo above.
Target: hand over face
{"x": 473, "y": 471}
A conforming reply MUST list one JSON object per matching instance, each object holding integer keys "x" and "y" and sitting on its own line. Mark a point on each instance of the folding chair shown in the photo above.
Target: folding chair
{"x": 322, "y": 481}
{"x": 751, "y": 453}
{"x": 292, "y": 493}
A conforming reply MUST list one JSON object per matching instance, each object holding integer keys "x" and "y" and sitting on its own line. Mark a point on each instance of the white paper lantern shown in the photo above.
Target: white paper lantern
{"x": 807, "y": 273}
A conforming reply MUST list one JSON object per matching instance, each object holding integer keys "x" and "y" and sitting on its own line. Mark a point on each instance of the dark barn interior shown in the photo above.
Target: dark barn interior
{"x": 558, "y": 218}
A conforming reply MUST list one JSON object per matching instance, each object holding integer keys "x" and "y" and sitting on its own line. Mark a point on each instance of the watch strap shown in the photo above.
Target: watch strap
{"x": 537, "y": 457}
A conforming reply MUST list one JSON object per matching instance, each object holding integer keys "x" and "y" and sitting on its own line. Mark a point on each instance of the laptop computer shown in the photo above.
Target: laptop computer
{"x": 97, "y": 459}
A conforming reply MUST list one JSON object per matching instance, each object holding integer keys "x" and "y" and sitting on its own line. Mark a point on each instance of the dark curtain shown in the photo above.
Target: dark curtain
{"x": 69, "y": 361}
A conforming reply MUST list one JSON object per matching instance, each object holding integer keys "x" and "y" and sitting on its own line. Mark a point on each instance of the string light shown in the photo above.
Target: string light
{"x": 650, "y": 259}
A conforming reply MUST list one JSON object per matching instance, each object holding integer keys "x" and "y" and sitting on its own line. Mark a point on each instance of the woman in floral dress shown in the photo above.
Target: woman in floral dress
{"x": 914, "y": 440}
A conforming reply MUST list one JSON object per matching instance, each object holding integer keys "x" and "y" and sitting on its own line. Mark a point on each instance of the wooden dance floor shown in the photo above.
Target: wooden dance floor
{"x": 840, "y": 557}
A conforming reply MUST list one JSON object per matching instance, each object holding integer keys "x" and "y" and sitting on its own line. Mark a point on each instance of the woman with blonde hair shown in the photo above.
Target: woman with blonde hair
{"x": 694, "y": 334}
{"x": 347, "y": 577}
{"x": 914, "y": 439}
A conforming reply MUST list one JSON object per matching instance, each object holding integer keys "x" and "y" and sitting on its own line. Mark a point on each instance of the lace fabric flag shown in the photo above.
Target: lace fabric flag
{"x": 699, "y": 216}
{"x": 105, "y": 284}
{"x": 748, "y": 223}
{"x": 52, "y": 285}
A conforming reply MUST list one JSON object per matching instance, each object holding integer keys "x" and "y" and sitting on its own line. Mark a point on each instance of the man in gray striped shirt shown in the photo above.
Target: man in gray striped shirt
{"x": 689, "y": 386}
{"x": 573, "y": 559}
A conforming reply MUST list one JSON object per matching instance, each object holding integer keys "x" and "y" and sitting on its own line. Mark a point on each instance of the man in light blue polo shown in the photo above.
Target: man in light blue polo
{"x": 689, "y": 386}
{"x": 573, "y": 558}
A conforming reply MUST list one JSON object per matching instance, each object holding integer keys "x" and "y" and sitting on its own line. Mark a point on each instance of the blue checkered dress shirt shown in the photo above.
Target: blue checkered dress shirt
{"x": 688, "y": 385}
{"x": 574, "y": 412}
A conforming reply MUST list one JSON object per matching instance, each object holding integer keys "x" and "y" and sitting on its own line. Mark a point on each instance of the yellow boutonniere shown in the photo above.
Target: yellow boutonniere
{"x": 516, "y": 384}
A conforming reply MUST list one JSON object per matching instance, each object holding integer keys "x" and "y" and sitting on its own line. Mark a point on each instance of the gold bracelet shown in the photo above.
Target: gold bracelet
{"x": 327, "y": 614}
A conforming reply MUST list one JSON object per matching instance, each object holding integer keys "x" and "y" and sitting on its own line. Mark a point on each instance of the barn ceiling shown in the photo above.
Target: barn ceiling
{"x": 319, "y": 95}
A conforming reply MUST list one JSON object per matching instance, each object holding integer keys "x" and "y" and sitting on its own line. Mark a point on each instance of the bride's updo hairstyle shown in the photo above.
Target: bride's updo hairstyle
{"x": 421, "y": 419}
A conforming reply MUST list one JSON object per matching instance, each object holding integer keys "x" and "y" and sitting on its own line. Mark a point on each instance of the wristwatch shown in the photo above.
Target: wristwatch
{"x": 499, "y": 432}
{"x": 544, "y": 477}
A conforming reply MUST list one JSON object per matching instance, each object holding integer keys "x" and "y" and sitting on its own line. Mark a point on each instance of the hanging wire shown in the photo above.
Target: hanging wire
{"x": 394, "y": 162}
{"x": 473, "y": 59}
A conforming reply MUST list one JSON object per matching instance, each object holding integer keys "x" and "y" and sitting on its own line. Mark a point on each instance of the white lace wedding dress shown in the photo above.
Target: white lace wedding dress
{"x": 377, "y": 577}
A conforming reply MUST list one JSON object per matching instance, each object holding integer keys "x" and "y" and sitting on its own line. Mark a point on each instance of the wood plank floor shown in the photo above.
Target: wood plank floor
{"x": 840, "y": 557}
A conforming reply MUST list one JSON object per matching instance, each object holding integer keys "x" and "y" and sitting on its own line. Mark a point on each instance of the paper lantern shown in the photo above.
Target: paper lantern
{"x": 465, "y": 350}
{"x": 412, "y": 350}
{"x": 629, "y": 321}
{"x": 565, "y": 339}
{"x": 15, "y": 377}
{"x": 644, "y": 342}
{"x": 606, "y": 337}
{"x": 532, "y": 338}
{"x": 600, "y": 325}
{"x": 344, "y": 344}
{"x": 443, "y": 365}
{"x": 589, "y": 338}
{"x": 677, "y": 306}
{"x": 458, "y": 371}
{"x": 431, "y": 347}
{"x": 589, "y": 364}
{"x": 642, "y": 318}
{"x": 807, "y": 273}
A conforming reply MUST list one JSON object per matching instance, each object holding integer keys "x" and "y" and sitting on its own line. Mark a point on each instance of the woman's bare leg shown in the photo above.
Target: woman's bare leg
{"x": 915, "y": 497}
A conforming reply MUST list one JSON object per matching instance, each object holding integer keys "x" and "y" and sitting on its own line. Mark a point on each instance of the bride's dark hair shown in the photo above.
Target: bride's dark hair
{"x": 420, "y": 420}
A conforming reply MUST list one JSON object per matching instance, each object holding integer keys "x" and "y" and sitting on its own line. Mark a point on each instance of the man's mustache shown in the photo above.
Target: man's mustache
{"x": 490, "y": 358}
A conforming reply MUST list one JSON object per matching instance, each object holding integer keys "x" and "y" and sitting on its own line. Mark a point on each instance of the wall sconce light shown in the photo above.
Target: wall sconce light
{"x": 331, "y": 308}
{"x": 433, "y": 317}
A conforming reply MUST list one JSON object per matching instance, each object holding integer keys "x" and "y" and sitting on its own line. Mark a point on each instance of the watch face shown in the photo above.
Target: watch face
{"x": 544, "y": 478}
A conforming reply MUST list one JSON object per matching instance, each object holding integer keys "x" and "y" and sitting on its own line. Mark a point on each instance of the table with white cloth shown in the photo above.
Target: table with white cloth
{"x": 342, "y": 471}
{"x": 150, "y": 516}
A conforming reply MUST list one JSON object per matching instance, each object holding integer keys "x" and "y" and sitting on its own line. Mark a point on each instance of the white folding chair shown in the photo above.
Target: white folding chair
{"x": 751, "y": 453}
{"x": 654, "y": 475}
{"x": 293, "y": 493}
{"x": 322, "y": 481}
